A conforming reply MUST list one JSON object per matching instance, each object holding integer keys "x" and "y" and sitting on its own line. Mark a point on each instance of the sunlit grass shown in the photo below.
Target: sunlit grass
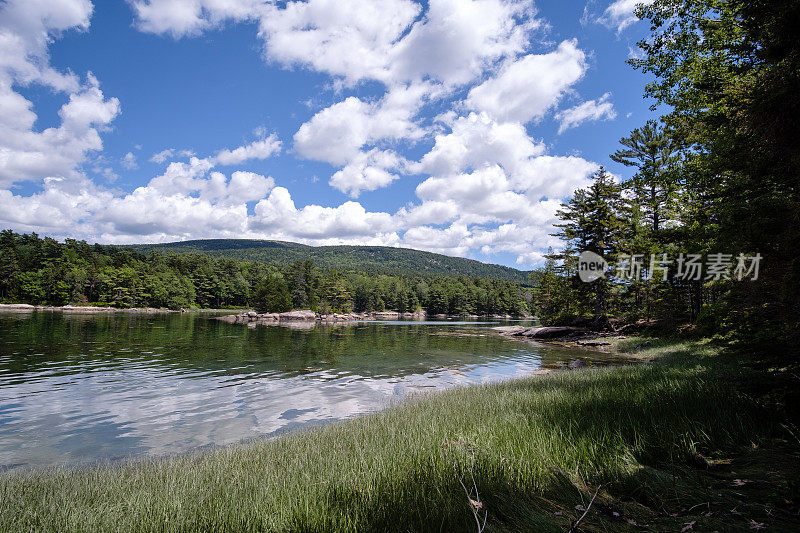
{"x": 528, "y": 442}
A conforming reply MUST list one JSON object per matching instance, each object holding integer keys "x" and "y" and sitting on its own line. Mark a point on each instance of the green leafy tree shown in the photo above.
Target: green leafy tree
{"x": 44, "y": 271}
{"x": 9, "y": 272}
{"x": 728, "y": 73}
{"x": 272, "y": 295}
{"x": 303, "y": 281}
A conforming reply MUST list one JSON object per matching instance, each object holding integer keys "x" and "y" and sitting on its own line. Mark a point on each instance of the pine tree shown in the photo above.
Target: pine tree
{"x": 593, "y": 220}
{"x": 553, "y": 297}
{"x": 654, "y": 187}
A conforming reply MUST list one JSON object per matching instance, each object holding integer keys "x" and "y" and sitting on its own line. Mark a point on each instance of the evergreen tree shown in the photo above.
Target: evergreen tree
{"x": 728, "y": 73}
{"x": 42, "y": 271}
{"x": 553, "y": 297}
{"x": 272, "y": 295}
{"x": 413, "y": 302}
{"x": 653, "y": 189}
{"x": 593, "y": 220}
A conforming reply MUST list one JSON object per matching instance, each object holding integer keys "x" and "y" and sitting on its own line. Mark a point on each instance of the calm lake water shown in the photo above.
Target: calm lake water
{"x": 82, "y": 388}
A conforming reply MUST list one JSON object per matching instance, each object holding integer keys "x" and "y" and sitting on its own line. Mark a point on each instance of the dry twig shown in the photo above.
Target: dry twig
{"x": 475, "y": 504}
{"x": 574, "y": 526}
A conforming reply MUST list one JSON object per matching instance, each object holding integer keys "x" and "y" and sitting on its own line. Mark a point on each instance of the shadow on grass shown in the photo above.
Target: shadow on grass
{"x": 538, "y": 449}
{"x": 637, "y": 431}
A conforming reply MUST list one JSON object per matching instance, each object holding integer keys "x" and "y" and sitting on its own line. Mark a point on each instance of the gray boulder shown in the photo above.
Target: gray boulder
{"x": 577, "y": 363}
{"x": 550, "y": 332}
{"x": 305, "y": 314}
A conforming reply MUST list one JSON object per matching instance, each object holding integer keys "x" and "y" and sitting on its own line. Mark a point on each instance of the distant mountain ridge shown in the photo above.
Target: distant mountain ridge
{"x": 376, "y": 259}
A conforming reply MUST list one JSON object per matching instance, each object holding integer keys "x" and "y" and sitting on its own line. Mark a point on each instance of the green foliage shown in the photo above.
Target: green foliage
{"x": 653, "y": 151}
{"x": 555, "y": 295}
{"x": 594, "y": 220}
{"x": 369, "y": 259}
{"x": 728, "y": 71}
{"x": 303, "y": 284}
{"x": 43, "y": 271}
{"x": 271, "y": 295}
{"x": 717, "y": 174}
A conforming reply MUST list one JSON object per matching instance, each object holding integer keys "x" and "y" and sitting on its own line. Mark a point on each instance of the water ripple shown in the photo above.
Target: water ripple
{"x": 106, "y": 387}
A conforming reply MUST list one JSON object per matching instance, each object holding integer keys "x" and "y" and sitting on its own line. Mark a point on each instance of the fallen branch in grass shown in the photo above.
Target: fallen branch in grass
{"x": 574, "y": 526}
{"x": 475, "y": 505}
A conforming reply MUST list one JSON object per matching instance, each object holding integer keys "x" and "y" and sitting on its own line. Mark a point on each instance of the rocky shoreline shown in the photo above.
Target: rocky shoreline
{"x": 27, "y": 308}
{"x": 558, "y": 334}
{"x": 308, "y": 318}
{"x": 542, "y": 332}
{"x": 248, "y": 317}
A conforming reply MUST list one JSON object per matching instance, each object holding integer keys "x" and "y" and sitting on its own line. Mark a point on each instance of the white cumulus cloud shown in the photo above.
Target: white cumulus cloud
{"x": 169, "y": 153}
{"x": 475, "y": 141}
{"x": 483, "y": 183}
{"x": 261, "y": 149}
{"x": 458, "y": 39}
{"x": 277, "y": 213}
{"x": 621, "y": 13}
{"x": 337, "y": 133}
{"x": 190, "y": 17}
{"x": 384, "y": 40}
{"x": 367, "y": 171}
{"x": 525, "y": 89}
{"x": 26, "y": 30}
{"x": 129, "y": 161}
{"x": 351, "y": 39}
{"x": 597, "y": 109}
{"x": 26, "y": 154}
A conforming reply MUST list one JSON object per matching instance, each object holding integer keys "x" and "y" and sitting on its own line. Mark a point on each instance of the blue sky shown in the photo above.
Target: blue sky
{"x": 456, "y": 126}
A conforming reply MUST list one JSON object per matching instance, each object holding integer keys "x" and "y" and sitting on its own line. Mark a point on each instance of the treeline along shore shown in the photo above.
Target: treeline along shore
{"x": 45, "y": 272}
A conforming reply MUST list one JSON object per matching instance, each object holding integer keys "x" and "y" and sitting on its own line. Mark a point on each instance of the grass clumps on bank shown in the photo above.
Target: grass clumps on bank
{"x": 535, "y": 449}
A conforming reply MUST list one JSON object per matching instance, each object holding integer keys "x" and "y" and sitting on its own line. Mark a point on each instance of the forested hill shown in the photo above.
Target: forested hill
{"x": 44, "y": 271}
{"x": 376, "y": 259}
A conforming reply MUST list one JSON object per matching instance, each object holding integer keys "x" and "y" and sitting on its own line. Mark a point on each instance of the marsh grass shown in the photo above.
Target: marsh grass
{"x": 537, "y": 448}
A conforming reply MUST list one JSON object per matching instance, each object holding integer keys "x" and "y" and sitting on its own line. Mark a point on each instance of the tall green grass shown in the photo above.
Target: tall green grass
{"x": 526, "y": 442}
